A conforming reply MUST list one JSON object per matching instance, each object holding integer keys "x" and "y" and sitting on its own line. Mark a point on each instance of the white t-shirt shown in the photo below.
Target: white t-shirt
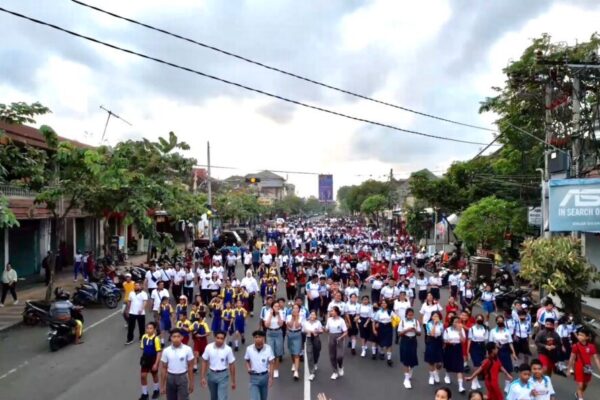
{"x": 427, "y": 310}
{"x": 189, "y": 280}
{"x": 311, "y": 327}
{"x": 544, "y": 389}
{"x": 152, "y": 282}
{"x": 177, "y": 358}
{"x": 218, "y": 358}
{"x": 136, "y": 302}
{"x": 336, "y": 325}
{"x": 157, "y": 298}
{"x": 259, "y": 360}
{"x": 519, "y": 391}
{"x": 274, "y": 320}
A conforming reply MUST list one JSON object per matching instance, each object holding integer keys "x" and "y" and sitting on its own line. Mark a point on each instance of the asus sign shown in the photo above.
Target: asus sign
{"x": 574, "y": 205}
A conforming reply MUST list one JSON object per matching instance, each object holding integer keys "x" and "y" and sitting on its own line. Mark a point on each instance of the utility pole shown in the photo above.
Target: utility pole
{"x": 576, "y": 135}
{"x": 390, "y": 202}
{"x": 546, "y": 174}
{"x": 210, "y": 229}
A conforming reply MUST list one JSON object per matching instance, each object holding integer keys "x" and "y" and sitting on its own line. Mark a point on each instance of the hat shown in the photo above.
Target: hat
{"x": 128, "y": 275}
{"x": 524, "y": 305}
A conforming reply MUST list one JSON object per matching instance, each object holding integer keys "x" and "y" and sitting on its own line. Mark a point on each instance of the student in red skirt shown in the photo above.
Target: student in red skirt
{"x": 582, "y": 355}
{"x": 491, "y": 368}
{"x": 200, "y": 332}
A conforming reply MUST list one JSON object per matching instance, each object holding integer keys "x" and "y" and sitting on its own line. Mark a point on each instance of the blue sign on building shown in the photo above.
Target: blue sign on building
{"x": 326, "y": 187}
{"x": 574, "y": 205}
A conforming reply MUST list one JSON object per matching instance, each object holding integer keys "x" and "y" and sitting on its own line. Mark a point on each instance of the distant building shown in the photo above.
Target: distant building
{"x": 271, "y": 187}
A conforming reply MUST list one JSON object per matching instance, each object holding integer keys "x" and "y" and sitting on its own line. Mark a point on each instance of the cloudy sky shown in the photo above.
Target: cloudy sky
{"x": 438, "y": 56}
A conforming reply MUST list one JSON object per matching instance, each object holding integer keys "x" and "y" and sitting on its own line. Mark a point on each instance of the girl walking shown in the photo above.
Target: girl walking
{"x": 351, "y": 317}
{"x": 337, "y": 329}
{"x": 313, "y": 329}
{"x": 454, "y": 335}
{"x": 382, "y": 329}
{"x": 434, "y": 346}
{"x": 365, "y": 316}
{"x": 294, "y": 338}
{"x": 408, "y": 330}
{"x": 477, "y": 339}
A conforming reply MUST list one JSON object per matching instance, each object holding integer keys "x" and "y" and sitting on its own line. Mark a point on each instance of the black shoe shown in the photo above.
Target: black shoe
{"x": 144, "y": 397}
{"x": 374, "y": 356}
{"x": 280, "y": 359}
{"x": 229, "y": 344}
{"x": 381, "y": 356}
{"x": 236, "y": 348}
{"x": 243, "y": 340}
{"x": 349, "y": 344}
{"x": 156, "y": 394}
{"x": 390, "y": 363}
{"x": 353, "y": 352}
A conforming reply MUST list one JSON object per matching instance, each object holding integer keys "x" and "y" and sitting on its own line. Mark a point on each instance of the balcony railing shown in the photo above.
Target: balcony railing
{"x": 16, "y": 191}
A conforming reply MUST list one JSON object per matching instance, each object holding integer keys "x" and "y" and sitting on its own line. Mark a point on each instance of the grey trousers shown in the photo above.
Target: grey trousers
{"x": 218, "y": 385}
{"x": 259, "y": 387}
{"x": 336, "y": 351}
{"x": 313, "y": 351}
{"x": 177, "y": 387}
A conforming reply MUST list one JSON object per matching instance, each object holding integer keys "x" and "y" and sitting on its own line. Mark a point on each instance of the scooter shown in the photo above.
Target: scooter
{"x": 109, "y": 285}
{"x": 62, "y": 332}
{"x": 90, "y": 293}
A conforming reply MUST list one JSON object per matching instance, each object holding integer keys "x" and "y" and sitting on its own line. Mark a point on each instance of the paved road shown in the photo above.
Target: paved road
{"x": 104, "y": 368}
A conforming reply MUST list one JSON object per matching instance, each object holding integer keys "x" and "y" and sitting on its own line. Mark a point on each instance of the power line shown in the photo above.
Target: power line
{"x": 281, "y": 71}
{"x": 487, "y": 147}
{"x": 239, "y": 85}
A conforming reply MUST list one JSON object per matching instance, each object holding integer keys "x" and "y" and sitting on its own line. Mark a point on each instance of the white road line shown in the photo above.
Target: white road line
{"x": 92, "y": 326}
{"x": 306, "y": 372}
{"x": 95, "y": 324}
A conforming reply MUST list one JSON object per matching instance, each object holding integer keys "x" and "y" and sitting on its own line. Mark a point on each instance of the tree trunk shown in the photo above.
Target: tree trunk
{"x": 59, "y": 223}
{"x": 571, "y": 304}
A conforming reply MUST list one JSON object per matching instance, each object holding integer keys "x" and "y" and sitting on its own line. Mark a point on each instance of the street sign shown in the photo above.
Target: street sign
{"x": 534, "y": 216}
{"x": 574, "y": 205}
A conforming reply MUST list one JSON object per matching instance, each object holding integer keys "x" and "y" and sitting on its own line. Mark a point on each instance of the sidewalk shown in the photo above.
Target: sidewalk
{"x": 11, "y": 315}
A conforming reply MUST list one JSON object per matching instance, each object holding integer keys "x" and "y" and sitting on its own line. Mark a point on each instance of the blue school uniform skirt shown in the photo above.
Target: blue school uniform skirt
{"x": 366, "y": 332}
{"x": 477, "y": 352}
{"x": 294, "y": 341}
{"x": 385, "y": 335}
{"x": 453, "y": 358}
{"x": 504, "y": 355}
{"x": 488, "y": 307}
{"x": 434, "y": 350}
{"x": 408, "y": 351}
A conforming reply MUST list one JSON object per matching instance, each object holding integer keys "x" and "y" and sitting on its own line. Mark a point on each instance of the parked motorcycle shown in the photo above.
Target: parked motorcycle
{"x": 91, "y": 293}
{"x": 112, "y": 287}
{"x": 62, "y": 332}
{"x": 36, "y": 312}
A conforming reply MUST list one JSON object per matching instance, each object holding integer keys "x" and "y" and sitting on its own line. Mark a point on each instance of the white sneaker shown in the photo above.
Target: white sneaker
{"x": 407, "y": 384}
{"x": 436, "y": 377}
{"x": 363, "y": 353}
{"x": 296, "y": 375}
{"x": 341, "y": 371}
{"x": 293, "y": 368}
{"x": 461, "y": 389}
{"x": 334, "y": 376}
{"x": 276, "y": 373}
{"x": 311, "y": 377}
{"x": 447, "y": 380}
{"x": 16, "y": 302}
{"x": 431, "y": 381}
{"x": 316, "y": 367}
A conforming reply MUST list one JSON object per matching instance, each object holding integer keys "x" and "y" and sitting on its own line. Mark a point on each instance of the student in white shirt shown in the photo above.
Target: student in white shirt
{"x": 521, "y": 388}
{"x": 274, "y": 320}
{"x": 177, "y": 372}
{"x": 454, "y": 336}
{"x": 337, "y": 329}
{"x": 313, "y": 329}
{"x": 428, "y": 308}
{"x": 136, "y": 312}
{"x": 219, "y": 362}
{"x": 541, "y": 384}
{"x": 408, "y": 330}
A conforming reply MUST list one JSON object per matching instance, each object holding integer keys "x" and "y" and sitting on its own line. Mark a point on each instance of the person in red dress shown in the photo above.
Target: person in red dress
{"x": 491, "y": 368}
{"x": 582, "y": 355}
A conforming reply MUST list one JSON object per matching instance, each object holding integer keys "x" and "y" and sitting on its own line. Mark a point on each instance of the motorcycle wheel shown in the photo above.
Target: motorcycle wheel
{"x": 110, "y": 301}
{"x": 30, "y": 319}
{"x": 118, "y": 295}
{"x": 54, "y": 344}
{"x": 77, "y": 300}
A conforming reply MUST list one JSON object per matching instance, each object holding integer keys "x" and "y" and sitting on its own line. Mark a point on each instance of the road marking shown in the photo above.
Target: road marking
{"x": 92, "y": 326}
{"x": 95, "y": 324}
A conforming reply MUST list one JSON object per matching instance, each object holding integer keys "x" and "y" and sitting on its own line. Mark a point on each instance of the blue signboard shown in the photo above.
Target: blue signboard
{"x": 574, "y": 205}
{"x": 325, "y": 187}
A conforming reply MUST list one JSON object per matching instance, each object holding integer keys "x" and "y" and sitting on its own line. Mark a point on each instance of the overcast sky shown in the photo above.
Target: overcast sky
{"x": 440, "y": 57}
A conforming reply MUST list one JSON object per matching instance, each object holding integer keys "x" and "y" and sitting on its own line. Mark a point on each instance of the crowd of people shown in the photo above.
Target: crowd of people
{"x": 367, "y": 293}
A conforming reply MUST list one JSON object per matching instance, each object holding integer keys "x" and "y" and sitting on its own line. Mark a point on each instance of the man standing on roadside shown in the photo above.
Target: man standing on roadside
{"x": 177, "y": 373}
{"x": 218, "y": 360}
{"x": 259, "y": 363}
{"x": 136, "y": 312}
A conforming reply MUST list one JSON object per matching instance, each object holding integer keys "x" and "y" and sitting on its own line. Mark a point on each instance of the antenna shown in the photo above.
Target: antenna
{"x": 110, "y": 114}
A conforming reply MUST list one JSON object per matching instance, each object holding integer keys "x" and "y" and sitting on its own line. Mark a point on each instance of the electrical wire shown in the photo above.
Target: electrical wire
{"x": 487, "y": 147}
{"x": 534, "y": 137}
{"x": 239, "y": 85}
{"x": 281, "y": 71}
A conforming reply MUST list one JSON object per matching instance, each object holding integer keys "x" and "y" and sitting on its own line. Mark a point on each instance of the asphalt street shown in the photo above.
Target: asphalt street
{"x": 103, "y": 367}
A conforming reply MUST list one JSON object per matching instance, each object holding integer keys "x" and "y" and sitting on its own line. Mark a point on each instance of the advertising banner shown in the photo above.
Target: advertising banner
{"x": 326, "y": 188}
{"x": 574, "y": 205}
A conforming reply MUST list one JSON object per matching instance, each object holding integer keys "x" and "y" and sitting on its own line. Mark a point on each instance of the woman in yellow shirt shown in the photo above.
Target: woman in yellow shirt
{"x": 128, "y": 286}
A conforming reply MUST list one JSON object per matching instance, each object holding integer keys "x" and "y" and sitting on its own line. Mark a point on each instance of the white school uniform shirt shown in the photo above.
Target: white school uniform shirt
{"x": 452, "y": 336}
{"x": 152, "y": 283}
{"x": 412, "y": 282}
{"x": 312, "y": 327}
{"x": 519, "y": 391}
{"x": 312, "y": 289}
{"x": 177, "y": 358}
{"x": 500, "y": 336}
{"x": 341, "y": 305}
{"x": 462, "y": 285}
{"x": 259, "y": 360}
{"x": 218, "y": 358}
{"x": 478, "y": 333}
{"x": 376, "y": 284}
{"x": 427, "y": 310}
{"x": 351, "y": 309}
{"x": 204, "y": 279}
{"x": 439, "y": 331}
{"x": 247, "y": 258}
{"x": 349, "y": 291}
{"x": 409, "y": 292}
{"x": 422, "y": 284}
{"x": 435, "y": 281}
{"x": 274, "y": 319}
{"x": 136, "y": 301}
{"x": 522, "y": 329}
{"x": 388, "y": 292}
{"x": 365, "y": 311}
{"x": 383, "y": 317}
{"x": 400, "y": 308}
{"x": 487, "y": 296}
{"x": 336, "y": 325}
{"x": 544, "y": 389}
{"x": 406, "y": 324}
{"x": 453, "y": 279}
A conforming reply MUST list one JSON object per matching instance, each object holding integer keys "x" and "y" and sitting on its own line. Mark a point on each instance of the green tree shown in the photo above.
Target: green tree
{"x": 556, "y": 264}
{"x": 485, "y": 223}
{"x": 418, "y": 222}
{"x": 373, "y": 205}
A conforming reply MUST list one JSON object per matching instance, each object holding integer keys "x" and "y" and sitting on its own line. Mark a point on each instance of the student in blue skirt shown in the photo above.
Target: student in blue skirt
{"x": 434, "y": 346}
{"x": 408, "y": 330}
{"x": 454, "y": 335}
{"x": 488, "y": 302}
{"x": 382, "y": 329}
{"x": 365, "y": 316}
{"x": 478, "y": 335}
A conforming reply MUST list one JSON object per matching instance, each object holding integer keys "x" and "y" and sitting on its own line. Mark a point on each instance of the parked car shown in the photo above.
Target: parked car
{"x": 244, "y": 233}
{"x": 228, "y": 238}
